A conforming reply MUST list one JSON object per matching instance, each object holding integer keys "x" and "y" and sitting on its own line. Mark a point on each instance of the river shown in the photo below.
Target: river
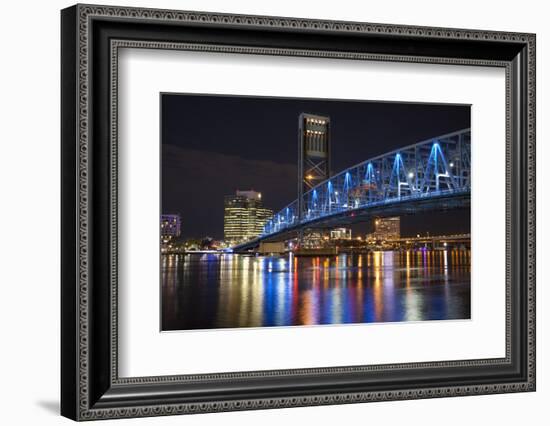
{"x": 207, "y": 291}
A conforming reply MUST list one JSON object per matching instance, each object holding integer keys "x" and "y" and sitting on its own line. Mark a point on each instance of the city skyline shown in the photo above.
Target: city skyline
{"x": 266, "y": 160}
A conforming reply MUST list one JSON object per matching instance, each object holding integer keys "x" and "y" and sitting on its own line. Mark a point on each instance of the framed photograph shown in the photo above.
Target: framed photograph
{"x": 263, "y": 212}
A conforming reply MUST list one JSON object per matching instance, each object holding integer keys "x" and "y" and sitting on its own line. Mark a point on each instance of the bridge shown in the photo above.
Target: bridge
{"x": 429, "y": 175}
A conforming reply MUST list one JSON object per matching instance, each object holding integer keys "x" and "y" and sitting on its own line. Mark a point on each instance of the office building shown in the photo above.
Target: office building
{"x": 244, "y": 216}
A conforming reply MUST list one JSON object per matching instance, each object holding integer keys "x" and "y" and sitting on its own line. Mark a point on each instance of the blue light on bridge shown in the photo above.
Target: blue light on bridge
{"x": 347, "y": 187}
{"x": 370, "y": 173}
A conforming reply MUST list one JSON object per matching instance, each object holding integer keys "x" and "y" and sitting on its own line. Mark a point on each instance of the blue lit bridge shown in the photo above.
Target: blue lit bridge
{"x": 429, "y": 175}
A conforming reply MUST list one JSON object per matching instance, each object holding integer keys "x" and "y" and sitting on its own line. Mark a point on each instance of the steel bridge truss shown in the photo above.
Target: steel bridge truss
{"x": 437, "y": 167}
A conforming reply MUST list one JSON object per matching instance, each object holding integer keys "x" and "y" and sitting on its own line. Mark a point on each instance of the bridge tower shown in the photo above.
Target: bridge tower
{"x": 313, "y": 154}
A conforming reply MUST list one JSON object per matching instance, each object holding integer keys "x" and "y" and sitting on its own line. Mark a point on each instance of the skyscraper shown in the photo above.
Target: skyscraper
{"x": 244, "y": 216}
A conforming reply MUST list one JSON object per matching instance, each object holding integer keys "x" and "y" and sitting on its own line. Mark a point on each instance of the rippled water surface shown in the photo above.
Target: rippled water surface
{"x": 204, "y": 291}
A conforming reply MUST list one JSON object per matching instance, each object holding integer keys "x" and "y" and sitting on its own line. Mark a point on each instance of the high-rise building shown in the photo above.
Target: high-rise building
{"x": 387, "y": 228}
{"x": 244, "y": 216}
{"x": 170, "y": 227}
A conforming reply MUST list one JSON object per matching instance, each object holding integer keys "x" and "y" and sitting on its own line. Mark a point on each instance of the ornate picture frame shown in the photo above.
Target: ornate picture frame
{"x": 91, "y": 37}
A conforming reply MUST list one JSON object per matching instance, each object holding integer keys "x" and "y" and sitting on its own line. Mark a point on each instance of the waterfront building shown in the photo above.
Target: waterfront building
{"x": 386, "y": 229}
{"x": 170, "y": 227}
{"x": 340, "y": 234}
{"x": 244, "y": 216}
{"x": 313, "y": 239}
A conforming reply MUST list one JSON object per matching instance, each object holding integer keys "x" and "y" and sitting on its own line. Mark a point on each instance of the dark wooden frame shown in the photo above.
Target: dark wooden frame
{"x": 90, "y": 386}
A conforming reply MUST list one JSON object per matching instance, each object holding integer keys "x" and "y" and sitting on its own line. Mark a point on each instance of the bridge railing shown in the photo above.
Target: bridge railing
{"x": 435, "y": 167}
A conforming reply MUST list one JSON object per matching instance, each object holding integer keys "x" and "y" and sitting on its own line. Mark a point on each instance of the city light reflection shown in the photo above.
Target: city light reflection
{"x": 230, "y": 290}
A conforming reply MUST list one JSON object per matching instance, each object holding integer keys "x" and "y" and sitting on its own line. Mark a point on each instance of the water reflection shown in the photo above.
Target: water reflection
{"x": 201, "y": 291}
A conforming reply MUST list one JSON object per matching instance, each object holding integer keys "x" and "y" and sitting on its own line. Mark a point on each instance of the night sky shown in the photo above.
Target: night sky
{"x": 213, "y": 145}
